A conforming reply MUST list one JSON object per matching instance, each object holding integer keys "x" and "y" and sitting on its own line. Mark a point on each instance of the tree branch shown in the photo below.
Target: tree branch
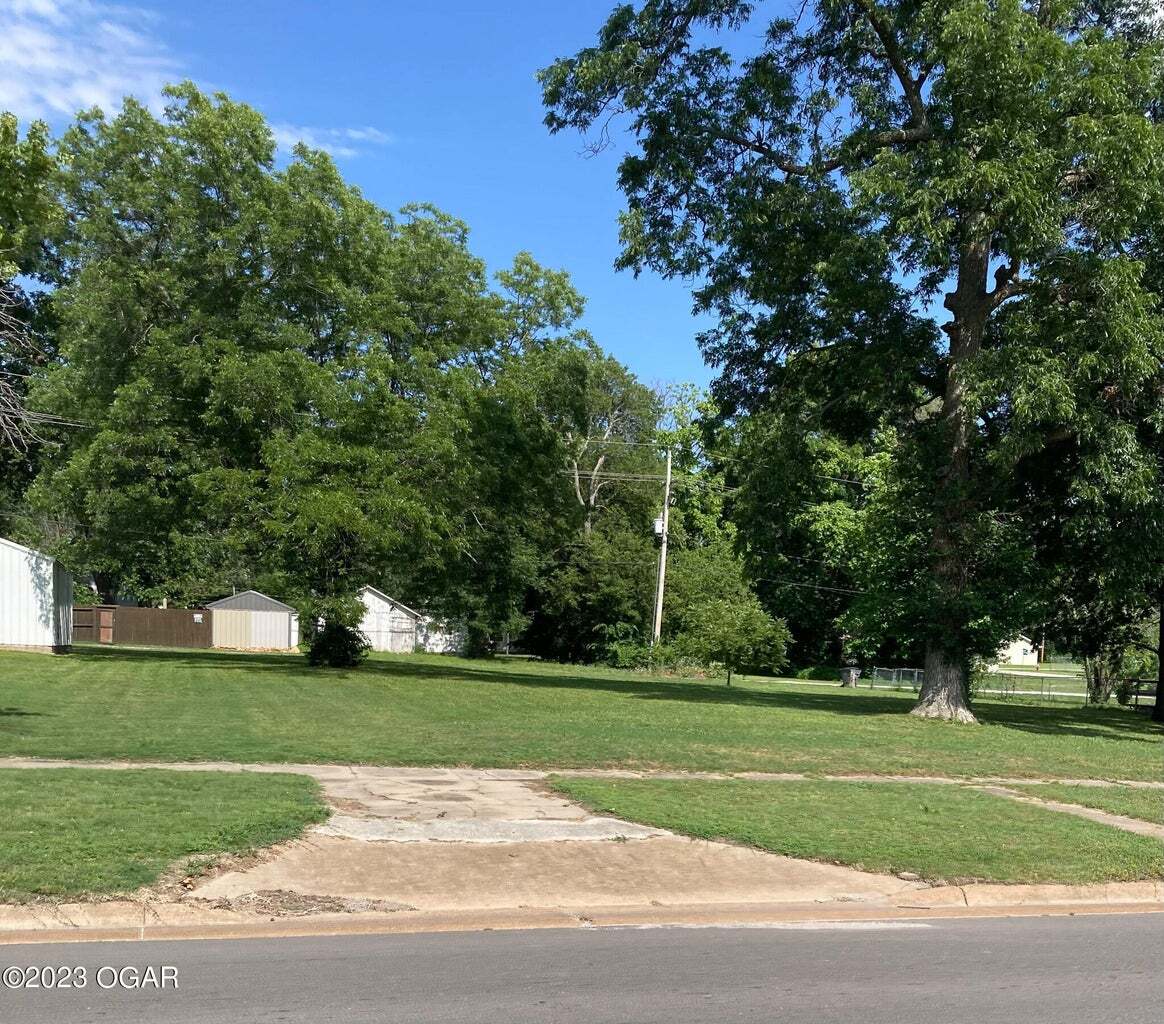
{"x": 909, "y": 85}
{"x": 1007, "y": 284}
{"x": 879, "y": 141}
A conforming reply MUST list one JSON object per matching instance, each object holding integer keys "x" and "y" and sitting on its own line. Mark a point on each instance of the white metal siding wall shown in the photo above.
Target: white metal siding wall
{"x": 270, "y": 630}
{"x": 254, "y": 631}
{"x": 27, "y": 605}
{"x": 368, "y": 622}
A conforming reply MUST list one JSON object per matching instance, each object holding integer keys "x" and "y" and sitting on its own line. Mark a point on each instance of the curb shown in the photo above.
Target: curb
{"x": 937, "y": 904}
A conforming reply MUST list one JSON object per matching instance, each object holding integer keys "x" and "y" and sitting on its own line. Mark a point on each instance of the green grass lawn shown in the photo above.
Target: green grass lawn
{"x": 73, "y": 832}
{"x": 1145, "y": 804}
{"x": 422, "y": 710}
{"x": 939, "y": 832}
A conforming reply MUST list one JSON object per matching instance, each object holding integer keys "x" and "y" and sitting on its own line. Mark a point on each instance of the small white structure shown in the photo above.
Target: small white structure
{"x": 1020, "y": 651}
{"x": 388, "y": 624}
{"x": 36, "y": 600}
{"x": 438, "y": 638}
{"x": 251, "y": 621}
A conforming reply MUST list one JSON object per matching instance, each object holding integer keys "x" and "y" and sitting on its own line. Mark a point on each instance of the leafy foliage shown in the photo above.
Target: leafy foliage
{"x": 337, "y": 646}
{"x": 825, "y": 179}
{"x": 734, "y": 634}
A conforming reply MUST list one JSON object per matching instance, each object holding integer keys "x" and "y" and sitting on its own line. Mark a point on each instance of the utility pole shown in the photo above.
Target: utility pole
{"x": 658, "y": 630}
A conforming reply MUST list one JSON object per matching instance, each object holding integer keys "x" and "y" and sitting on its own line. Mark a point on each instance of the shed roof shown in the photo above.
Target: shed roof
{"x": 391, "y": 600}
{"x": 250, "y": 601}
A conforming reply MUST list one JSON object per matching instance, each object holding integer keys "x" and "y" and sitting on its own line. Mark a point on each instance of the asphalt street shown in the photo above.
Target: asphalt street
{"x": 1065, "y": 970}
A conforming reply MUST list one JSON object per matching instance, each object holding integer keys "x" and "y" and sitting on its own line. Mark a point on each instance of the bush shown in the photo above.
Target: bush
{"x": 622, "y": 647}
{"x": 337, "y": 646}
{"x": 823, "y": 672}
{"x": 1123, "y": 692}
{"x": 733, "y": 635}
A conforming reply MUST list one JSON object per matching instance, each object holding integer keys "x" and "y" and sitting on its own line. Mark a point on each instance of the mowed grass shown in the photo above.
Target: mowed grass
{"x": 433, "y": 710}
{"x": 940, "y": 832}
{"x": 81, "y": 832}
{"x": 1144, "y": 804}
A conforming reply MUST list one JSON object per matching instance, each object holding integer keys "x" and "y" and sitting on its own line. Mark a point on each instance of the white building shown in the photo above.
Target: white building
{"x": 251, "y": 621}
{"x": 1020, "y": 651}
{"x": 391, "y": 625}
{"x": 388, "y": 624}
{"x": 437, "y": 638}
{"x": 36, "y": 600}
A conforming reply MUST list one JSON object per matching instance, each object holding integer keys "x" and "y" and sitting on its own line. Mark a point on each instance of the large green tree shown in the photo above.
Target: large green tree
{"x": 275, "y": 383}
{"x": 834, "y": 176}
{"x": 30, "y": 216}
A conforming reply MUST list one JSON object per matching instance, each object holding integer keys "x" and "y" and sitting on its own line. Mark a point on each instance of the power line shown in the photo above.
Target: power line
{"x": 810, "y": 586}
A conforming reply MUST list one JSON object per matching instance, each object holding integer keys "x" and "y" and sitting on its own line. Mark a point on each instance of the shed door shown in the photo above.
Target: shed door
{"x": 391, "y": 630}
{"x": 401, "y": 632}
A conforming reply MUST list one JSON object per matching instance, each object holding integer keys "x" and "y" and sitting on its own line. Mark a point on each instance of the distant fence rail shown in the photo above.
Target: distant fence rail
{"x": 902, "y": 677}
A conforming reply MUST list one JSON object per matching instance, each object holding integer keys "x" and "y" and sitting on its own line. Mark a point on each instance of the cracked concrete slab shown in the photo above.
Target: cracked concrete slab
{"x": 470, "y": 830}
{"x": 659, "y": 871}
{"x": 441, "y": 839}
{"x": 409, "y": 805}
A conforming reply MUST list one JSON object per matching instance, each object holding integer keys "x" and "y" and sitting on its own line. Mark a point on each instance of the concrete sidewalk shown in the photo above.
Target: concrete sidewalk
{"x": 410, "y": 848}
{"x": 463, "y": 839}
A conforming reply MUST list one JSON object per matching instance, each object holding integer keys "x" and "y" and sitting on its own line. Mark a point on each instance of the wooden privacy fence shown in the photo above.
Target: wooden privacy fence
{"x": 150, "y": 627}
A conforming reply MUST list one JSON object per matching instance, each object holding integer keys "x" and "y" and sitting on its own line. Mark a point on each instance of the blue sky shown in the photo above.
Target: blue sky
{"x": 432, "y": 102}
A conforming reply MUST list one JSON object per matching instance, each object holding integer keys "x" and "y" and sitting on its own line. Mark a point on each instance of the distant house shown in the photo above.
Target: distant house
{"x": 251, "y": 621}
{"x": 390, "y": 625}
{"x": 1020, "y": 651}
{"x": 36, "y": 600}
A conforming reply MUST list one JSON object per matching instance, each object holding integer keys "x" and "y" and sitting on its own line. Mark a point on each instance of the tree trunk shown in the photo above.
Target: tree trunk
{"x": 1158, "y": 710}
{"x": 107, "y": 587}
{"x": 945, "y": 691}
{"x": 944, "y": 694}
{"x": 1100, "y": 673}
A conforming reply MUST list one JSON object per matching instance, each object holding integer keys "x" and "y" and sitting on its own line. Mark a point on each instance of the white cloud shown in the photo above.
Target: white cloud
{"x": 60, "y": 56}
{"x": 339, "y": 142}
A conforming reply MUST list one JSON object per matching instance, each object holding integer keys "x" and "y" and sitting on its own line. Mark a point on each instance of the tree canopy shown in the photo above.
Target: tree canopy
{"x": 258, "y": 378}
{"x": 916, "y": 224}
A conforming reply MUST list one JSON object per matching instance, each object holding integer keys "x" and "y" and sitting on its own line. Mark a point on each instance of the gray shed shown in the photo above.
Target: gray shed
{"x": 251, "y": 621}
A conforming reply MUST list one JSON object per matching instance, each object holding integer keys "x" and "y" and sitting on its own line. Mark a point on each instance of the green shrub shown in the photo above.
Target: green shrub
{"x": 622, "y": 646}
{"x": 823, "y": 672}
{"x": 337, "y": 646}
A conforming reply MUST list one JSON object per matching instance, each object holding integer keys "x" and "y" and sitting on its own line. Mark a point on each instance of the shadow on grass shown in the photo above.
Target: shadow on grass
{"x": 20, "y": 713}
{"x": 1107, "y": 723}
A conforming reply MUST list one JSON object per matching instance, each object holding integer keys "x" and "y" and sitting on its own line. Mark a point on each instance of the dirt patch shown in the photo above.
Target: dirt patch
{"x": 284, "y": 903}
{"x": 182, "y": 878}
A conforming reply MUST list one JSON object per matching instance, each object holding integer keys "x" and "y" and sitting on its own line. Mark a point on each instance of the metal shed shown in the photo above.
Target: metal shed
{"x": 251, "y": 621}
{"x": 36, "y": 600}
{"x": 388, "y": 624}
